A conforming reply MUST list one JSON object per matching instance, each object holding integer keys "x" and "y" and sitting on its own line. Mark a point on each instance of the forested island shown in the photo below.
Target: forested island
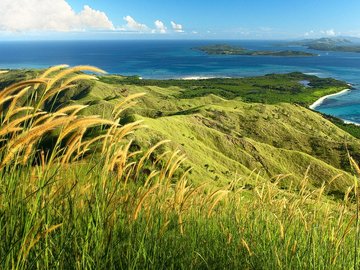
{"x": 223, "y": 49}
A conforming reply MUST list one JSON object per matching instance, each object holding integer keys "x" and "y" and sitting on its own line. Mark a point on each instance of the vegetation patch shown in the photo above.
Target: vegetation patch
{"x": 92, "y": 182}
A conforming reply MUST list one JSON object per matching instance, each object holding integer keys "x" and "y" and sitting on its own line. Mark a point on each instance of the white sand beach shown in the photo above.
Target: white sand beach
{"x": 321, "y": 100}
{"x": 191, "y": 78}
{"x": 3, "y": 71}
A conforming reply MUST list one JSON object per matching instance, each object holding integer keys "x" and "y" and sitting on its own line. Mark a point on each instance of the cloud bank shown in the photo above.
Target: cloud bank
{"x": 45, "y": 15}
{"x": 329, "y": 33}
{"x": 31, "y": 16}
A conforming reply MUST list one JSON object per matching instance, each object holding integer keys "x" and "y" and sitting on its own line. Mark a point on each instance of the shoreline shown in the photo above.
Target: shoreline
{"x": 322, "y": 99}
{"x": 318, "y": 102}
{"x": 194, "y": 78}
{"x": 350, "y": 123}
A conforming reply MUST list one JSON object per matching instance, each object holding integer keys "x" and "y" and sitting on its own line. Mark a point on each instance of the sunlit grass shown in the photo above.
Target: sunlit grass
{"x": 97, "y": 202}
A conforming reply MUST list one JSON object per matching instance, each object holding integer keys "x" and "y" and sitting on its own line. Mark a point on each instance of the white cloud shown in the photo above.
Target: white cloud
{"x": 133, "y": 25}
{"x": 330, "y": 32}
{"x": 95, "y": 19}
{"x": 177, "y": 27}
{"x": 45, "y": 15}
{"x": 26, "y": 16}
{"x": 310, "y": 33}
{"x": 160, "y": 27}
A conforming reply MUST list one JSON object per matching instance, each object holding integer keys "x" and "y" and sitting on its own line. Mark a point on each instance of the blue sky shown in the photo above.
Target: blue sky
{"x": 116, "y": 19}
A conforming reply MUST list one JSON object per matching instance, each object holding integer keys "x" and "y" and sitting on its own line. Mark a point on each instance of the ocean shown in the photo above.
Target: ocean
{"x": 167, "y": 59}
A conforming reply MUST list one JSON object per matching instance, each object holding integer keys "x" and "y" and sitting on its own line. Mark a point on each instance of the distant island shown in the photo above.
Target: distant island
{"x": 223, "y": 49}
{"x": 329, "y": 44}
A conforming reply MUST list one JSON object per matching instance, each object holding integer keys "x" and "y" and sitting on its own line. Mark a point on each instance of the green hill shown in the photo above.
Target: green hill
{"x": 232, "y": 127}
{"x": 80, "y": 191}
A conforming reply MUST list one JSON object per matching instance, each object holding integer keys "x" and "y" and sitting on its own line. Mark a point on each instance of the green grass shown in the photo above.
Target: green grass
{"x": 264, "y": 228}
{"x": 271, "y": 186}
{"x": 224, "y": 133}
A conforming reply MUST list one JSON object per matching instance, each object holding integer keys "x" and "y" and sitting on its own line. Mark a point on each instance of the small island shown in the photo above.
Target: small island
{"x": 223, "y": 49}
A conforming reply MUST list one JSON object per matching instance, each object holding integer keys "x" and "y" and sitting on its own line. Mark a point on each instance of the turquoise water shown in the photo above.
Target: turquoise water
{"x": 177, "y": 59}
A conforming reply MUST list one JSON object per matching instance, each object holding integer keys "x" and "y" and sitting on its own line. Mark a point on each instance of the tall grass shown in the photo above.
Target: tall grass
{"x": 93, "y": 201}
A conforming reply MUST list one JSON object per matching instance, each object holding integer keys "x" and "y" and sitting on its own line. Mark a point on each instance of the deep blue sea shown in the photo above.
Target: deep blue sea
{"x": 177, "y": 59}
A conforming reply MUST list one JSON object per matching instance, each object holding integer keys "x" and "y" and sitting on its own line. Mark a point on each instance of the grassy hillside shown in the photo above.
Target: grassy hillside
{"x": 80, "y": 191}
{"x": 231, "y": 127}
